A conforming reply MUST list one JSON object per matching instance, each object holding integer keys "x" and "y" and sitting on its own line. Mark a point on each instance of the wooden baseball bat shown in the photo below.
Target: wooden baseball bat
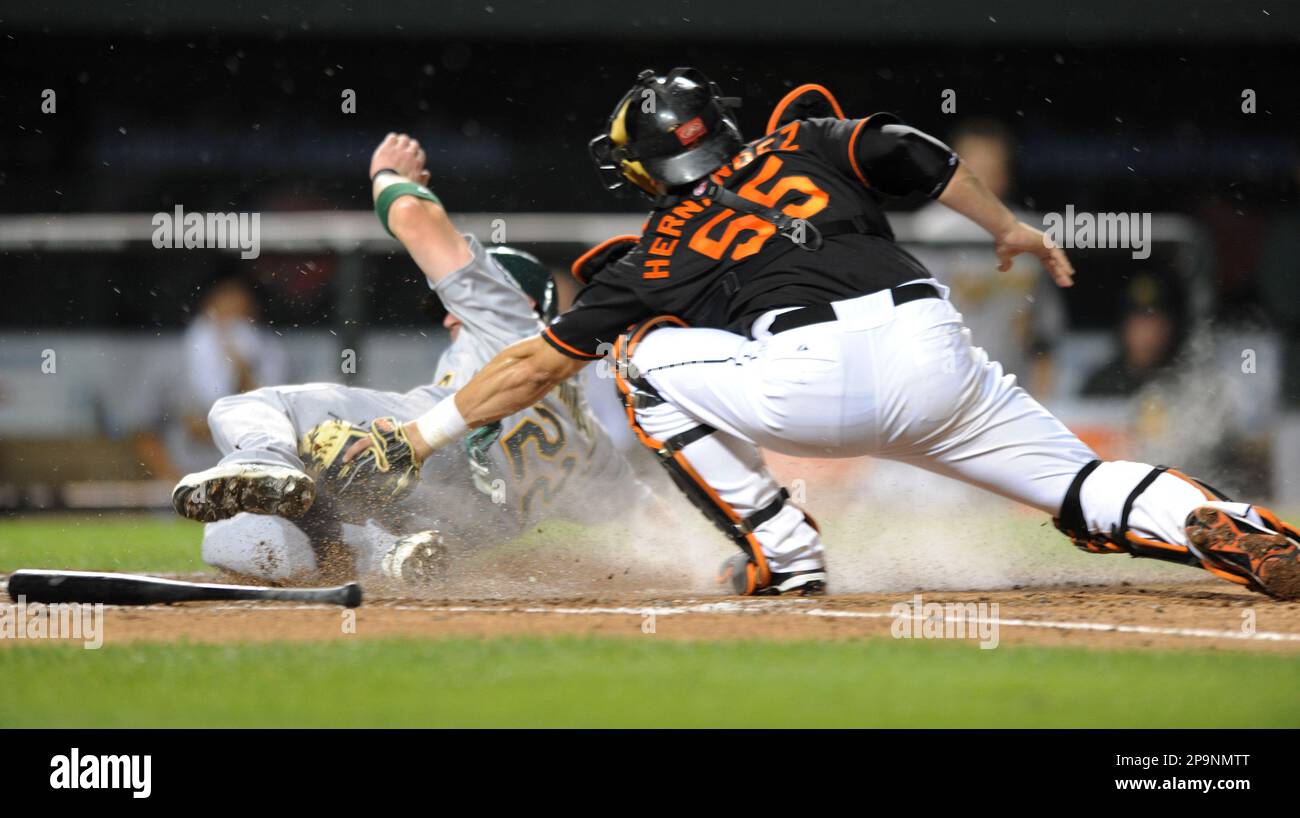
{"x": 129, "y": 589}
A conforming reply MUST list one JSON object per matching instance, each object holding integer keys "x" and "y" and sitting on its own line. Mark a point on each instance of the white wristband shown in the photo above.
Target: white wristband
{"x": 442, "y": 424}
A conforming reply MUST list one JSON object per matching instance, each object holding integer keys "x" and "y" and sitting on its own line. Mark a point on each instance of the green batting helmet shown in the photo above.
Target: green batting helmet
{"x": 530, "y": 274}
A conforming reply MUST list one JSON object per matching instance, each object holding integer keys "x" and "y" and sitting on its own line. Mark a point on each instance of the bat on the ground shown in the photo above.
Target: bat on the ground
{"x": 128, "y": 589}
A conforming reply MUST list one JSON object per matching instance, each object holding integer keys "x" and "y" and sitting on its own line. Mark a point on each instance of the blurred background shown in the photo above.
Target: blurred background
{"x": 111, "y": 350}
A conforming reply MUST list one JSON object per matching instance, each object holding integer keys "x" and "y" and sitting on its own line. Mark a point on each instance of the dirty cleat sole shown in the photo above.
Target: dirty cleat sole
{"x": 1262, "y": 560}
{"x": 223, "y": 491}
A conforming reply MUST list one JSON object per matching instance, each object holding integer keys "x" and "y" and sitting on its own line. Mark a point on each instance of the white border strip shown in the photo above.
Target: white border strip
{"x": 774, "y": 607}
{"x": 312, "y": 230}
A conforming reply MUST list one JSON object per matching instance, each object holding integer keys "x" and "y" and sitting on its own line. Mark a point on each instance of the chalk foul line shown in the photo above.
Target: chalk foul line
{"x": 783, "y": 607}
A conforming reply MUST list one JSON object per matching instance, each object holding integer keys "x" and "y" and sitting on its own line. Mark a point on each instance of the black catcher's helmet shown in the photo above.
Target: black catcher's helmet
{"x": 667, "y": 132}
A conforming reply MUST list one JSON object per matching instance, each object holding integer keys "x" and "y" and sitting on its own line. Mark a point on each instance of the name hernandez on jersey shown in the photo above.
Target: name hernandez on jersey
{"x": 715, "y": 266}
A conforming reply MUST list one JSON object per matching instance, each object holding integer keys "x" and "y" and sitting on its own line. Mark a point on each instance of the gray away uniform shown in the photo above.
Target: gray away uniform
{"x": 550, "y": 460}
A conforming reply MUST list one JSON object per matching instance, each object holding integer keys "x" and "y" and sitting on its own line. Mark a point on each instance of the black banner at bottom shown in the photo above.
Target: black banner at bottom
{"x": 139, "y": 769}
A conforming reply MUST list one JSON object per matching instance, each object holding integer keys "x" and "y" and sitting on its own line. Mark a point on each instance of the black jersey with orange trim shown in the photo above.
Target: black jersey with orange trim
{"x": 715, "y": 267}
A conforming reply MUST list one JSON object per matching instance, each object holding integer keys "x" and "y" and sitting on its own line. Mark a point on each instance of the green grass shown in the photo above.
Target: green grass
{"x": 629, "y": 682}
{"x": 641, "y": 682}
{"x": 109, "y": 542}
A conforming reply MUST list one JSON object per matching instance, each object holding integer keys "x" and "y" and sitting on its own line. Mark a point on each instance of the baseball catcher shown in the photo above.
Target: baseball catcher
{"x": 284, "y": 502}
{"x": 770, "y": 306}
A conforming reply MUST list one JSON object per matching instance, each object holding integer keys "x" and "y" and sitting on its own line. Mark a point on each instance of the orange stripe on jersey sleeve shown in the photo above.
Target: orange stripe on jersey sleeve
{"x": 565, "y": 349}
{"x": 853, "y": 157}
{"x": 587, "y": 256}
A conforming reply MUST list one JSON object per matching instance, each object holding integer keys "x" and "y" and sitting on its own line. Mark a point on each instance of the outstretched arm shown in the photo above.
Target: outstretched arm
{"x": 968, "y": 196}
{"x": 519, "y": 376}
{"x": 896, "y": 160}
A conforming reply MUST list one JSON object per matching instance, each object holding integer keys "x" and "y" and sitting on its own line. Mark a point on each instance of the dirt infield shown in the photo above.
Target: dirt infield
{"x": 1194, "y": 615}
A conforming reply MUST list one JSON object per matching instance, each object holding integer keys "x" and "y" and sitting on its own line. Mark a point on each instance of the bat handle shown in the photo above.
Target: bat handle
{"x": 349, "y": 596}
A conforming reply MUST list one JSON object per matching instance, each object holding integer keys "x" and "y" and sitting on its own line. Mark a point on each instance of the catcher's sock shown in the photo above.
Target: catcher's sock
{"x": 790, "y": 542}
{"x": 226, "y": 489}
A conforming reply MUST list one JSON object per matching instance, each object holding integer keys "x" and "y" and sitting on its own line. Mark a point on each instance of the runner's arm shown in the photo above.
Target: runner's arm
{"x": 423, "y": 227}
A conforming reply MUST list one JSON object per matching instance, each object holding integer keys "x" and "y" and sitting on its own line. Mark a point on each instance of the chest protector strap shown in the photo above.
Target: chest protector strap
{"x": 802, "y": 233}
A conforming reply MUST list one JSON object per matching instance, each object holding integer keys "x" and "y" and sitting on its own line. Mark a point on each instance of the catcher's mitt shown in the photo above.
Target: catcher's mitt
{"x": 380, "y": 476}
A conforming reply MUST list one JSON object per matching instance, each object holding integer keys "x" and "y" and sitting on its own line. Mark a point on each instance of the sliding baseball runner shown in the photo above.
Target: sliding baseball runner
{"x": 283, "y": 445}
{"x": 769, "y": 305}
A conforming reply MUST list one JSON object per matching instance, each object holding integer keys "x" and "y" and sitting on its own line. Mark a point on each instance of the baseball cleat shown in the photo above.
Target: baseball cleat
{"x": 1263, "y": 559}
{"x": 736, "y": 572}
{"x": 225, "y": 490}
{"x": 417, "y": 559}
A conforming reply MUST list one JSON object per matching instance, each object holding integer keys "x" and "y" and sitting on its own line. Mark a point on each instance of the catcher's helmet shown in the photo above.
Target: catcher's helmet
{"x": 527, "y": 271}
{"x": 667, "y": 132}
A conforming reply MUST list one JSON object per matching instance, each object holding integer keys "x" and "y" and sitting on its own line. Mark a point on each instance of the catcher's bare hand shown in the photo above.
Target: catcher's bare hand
{"x": 419, "y": 448}
{"x": 403, "y": 154}
{"x": 1022, "y": 238}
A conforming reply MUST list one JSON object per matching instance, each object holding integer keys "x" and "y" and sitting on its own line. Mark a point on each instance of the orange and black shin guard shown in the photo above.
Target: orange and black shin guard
{"x": 1120, "y": 539}
{"x": 638, "y": 393}
{"x": 1230, "y": 549}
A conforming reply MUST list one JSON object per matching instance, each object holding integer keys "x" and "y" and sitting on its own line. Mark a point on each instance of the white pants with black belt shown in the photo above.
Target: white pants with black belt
{"x": 901, "y": 382}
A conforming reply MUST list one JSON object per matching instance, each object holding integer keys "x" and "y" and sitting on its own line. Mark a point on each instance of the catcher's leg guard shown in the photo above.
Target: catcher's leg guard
{"x": 749, "y": 508}
{"x": 1160, "y": 513}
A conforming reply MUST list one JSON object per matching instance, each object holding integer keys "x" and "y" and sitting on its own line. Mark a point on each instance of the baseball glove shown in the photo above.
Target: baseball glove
{"x": 380, "y": 476}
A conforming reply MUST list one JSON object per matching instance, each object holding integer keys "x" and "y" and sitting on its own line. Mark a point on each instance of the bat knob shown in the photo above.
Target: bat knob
{"x": 352, "y": 595}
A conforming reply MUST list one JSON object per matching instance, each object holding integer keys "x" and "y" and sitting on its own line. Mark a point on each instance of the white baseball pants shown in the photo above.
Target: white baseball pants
{"x": 902, "y": 382}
